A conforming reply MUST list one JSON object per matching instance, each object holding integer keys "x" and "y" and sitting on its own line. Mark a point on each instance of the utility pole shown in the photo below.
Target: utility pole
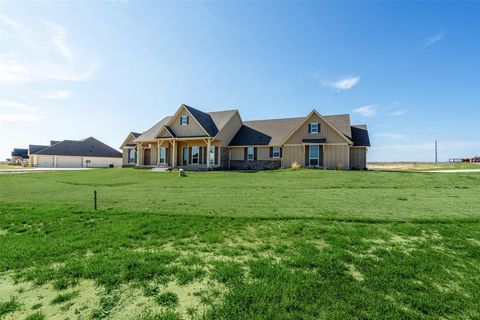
{"x": 436, "y": 147}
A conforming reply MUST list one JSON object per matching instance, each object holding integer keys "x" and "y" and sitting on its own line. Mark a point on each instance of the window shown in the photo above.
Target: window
{"x": 276, "y": 152}
{"x": 162, "y": 155}
{"x": 250, "y": 153}
{"x": 211, "y": 156}
{"x": 195, "y": 155}
{"x": 314, "y": 128}
{"x": 313, "y": 155}
{"x": 183, "y": 120}
{"x": 131, "y": 155}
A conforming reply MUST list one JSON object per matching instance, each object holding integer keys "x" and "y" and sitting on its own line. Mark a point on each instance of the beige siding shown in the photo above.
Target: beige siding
{"x": 102, "y": 162}
{"x": 229, "y": 130}
{"x": 125, "y": 156}
{"x": 263, "y": 153}
{"x": 336, "y": 157}
{"x": 192, "y": 129}
{"x": 326, "y": 131}
{"x": 358, "y": 158}
{"x": 237, "y": 154}
{"x": 293, "y": 154}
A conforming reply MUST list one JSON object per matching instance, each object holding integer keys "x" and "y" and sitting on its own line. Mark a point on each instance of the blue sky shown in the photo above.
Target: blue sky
{"x": 410, "y": 71}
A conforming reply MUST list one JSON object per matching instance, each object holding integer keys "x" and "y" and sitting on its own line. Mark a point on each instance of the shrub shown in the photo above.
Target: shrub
{"x": 295, "y": 165}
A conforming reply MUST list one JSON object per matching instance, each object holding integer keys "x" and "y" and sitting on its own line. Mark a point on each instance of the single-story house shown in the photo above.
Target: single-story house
{"x": 19, "y": 155}
{"x": 194, "y": 140}
{"x": 86, "y": 153}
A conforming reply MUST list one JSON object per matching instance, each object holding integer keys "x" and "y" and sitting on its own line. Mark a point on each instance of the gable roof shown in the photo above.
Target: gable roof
{"x": 136, "y": 134}
{"x": 34, "y": 148}
{"x": 221, "y": 118}
{"x": 265, "y": 132}
{"x": 204, "y": 119}
{"x": 360, "y": 135}
{"x": 151, "y": 133}
{"x": 89, "y": 147}
{"x": 341, "y": 122}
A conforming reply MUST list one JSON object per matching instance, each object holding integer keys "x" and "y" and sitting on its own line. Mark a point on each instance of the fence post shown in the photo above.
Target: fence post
{"x": 95, "y": 199}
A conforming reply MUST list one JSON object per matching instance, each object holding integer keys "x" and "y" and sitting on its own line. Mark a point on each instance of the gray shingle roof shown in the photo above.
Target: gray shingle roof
{"x": 360, "y": 135}
{"x": 341, "y": 122}
{"x": 265, "y": 132}
{"x": 89, "y": 147}
{"x": 136, "y": 134}
{"x": 34, "y": 148}
{"x": 20, "y": 153}
{"x": 150, "y": 134}
{"x": 204, "y": 119}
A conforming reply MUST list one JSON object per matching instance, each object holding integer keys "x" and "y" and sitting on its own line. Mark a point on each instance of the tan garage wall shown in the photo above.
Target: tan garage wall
{"x": 102, "y": 162}
{"x": 336, "y": 157}
{"x": 358, "y": 158}
{"x": 293, "y": 154}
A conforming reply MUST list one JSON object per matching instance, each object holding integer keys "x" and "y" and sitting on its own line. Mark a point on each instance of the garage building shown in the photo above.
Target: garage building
{"x": 86, "y": 153}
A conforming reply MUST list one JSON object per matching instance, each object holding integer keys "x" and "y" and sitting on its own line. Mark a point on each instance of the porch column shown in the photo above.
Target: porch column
{"x": 158, "y": 153}
{"x": 174, "y": 154}
{"x": 208, "y": 154}
{"x": 139, "y": 151}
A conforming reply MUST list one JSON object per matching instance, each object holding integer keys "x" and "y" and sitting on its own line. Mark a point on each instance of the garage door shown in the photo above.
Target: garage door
{"x": 44, "y": 161}
{"x": 69, "y": 162}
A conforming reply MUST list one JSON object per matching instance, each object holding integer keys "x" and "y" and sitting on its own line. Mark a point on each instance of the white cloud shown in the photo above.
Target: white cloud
{"x": 19, "y": 112}
{"x": 345, "y": 83}
{"x": 397, "y": 113}
{"x": 367, "y": 111}
{"x": 27, "y": 57}
{"x": 433, "y": 39}
{"x": 390, "y": 136}
{"x": 62, "y": 94}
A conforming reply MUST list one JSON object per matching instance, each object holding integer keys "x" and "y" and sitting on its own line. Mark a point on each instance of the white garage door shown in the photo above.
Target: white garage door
{"x": 69, "y": 162}
{"x": 44, "y": 161}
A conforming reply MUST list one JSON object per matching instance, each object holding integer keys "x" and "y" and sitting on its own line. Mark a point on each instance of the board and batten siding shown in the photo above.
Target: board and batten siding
{"x": 358, "y": 158}
{"x": 193, "y": 128}
{"x": 238, "y": 153}
{"x": 293, "y": 154}
{"x": 336, "y": 157}
{"x": 326, "y": 131}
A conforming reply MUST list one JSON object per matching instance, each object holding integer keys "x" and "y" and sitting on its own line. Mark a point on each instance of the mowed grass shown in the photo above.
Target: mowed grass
{"x": 307, "y": 244}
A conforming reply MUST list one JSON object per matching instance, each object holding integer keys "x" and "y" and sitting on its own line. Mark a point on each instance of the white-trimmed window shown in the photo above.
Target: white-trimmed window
{"x": 313, "y": 155}
{"x": 162, "y": 155}
{"x": 276, "y": 152}
{"x": 131, "y": 155}
{"x": 250, "y": 153}
{"x": 211, "y": 155}
{"x": 183, "y": 120}
{"x": 195, "y": 154}
{"x": 314, "y": 127}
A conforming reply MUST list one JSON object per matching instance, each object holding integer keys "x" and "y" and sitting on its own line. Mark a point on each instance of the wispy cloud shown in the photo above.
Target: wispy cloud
{"x": 27, "y": 57}
{"x": 433, "y": 39}
{"x": 18, "y": 112}
{"x": 344, "y": 83}
{"x": 58, "y": 39}
{"x": 397, "y": 113}
{"x": 367, "y": 111}
{"x": 390, "y": 136}
{"x": 62, "y": 94}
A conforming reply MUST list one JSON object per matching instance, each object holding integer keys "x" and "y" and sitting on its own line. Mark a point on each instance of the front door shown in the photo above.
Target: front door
{"x": 185, "y": 156}
{"x": 146, "y": 157}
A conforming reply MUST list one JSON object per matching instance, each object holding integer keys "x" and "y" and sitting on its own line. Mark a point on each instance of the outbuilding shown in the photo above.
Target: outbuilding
{"x": 86, "y": 153}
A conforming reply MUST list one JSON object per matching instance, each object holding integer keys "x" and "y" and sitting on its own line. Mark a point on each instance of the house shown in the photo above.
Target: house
{"x": 19, "y": 156}
{"x": 197, "y": 140}
{"x": 86, "y": 153}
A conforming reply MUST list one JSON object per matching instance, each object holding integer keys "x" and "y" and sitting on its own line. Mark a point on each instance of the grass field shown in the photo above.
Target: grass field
{"x": 307, "y": 244}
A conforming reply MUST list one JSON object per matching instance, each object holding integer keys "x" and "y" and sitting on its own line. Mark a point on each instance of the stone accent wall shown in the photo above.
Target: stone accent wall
{"x": 224, "y": 157}
{"x": 255, "y": 164}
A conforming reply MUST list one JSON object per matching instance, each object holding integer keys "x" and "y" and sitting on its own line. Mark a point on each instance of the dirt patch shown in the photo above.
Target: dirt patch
{"x": 353, "y": 271}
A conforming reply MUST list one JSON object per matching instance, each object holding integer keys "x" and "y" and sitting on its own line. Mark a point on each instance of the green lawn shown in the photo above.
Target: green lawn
{"x": 307, "y": 244}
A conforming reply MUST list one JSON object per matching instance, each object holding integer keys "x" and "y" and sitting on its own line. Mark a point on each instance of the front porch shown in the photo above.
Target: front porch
{"x": 188, "y": 154}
